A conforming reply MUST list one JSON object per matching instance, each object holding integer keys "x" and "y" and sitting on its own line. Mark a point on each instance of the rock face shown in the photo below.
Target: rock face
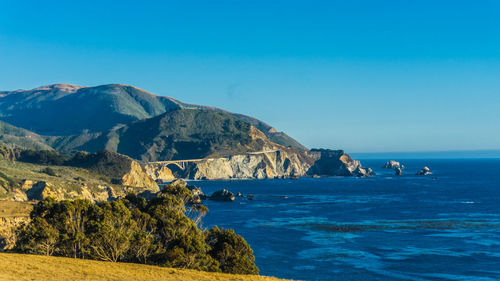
{"x": 424, "y": 171}
{"x": 42, "y": 190}
{"x": 8, "y": 226}
{"x": 336, "y": 163}
{"x": 137, "y": 177}
{"x": 12, "y": 215}
{"x": 398, "y": 171}
{"x": 392, "y": 164}
{"x": 283, "y": 163}
{"x": 161, "y": 174}
{"x": 222, "y": 195}
{"x": 265, "y": 165}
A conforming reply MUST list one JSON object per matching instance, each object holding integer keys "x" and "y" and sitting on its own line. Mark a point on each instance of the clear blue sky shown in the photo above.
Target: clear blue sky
{"x": 365, "y": 76}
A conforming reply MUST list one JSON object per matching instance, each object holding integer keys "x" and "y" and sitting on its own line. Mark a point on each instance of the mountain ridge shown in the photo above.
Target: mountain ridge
{"x": 100, "y": 108}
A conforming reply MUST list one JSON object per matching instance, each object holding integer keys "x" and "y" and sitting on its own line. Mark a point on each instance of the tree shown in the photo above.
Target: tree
{"x": 38, "y": 237}
{"x": 114, "y": 232}
{"x": 72, "y": 218}
{"x": 161, "y": 231}
{"x": 232, "y": 251}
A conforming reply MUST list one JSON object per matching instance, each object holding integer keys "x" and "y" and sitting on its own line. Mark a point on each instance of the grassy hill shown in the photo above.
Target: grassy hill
{"x": 33, "y": 267}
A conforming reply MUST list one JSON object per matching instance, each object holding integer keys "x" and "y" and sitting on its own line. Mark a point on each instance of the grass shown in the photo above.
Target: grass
{"x": 15, "y": 209}
{"x": 33, "y": 267}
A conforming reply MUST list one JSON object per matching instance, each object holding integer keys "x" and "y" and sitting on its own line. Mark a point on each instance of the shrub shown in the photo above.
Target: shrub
{"x": 49, "y": 171}
{"x": 44, "y": 157}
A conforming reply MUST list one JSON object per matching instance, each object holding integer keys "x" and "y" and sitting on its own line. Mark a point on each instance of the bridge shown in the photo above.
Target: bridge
{"x": 182, "y": 163}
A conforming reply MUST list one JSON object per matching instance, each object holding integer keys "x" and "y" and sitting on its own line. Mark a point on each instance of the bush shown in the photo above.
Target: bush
{"x": 49, "y": 171}
{"x": 43, "y": 157}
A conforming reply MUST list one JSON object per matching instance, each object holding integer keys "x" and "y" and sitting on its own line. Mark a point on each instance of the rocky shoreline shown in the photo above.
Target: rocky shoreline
{"x": 266, "y": 165}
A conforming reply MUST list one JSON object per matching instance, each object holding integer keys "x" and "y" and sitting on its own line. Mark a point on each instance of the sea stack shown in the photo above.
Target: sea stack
{"x": 424, "y": 171}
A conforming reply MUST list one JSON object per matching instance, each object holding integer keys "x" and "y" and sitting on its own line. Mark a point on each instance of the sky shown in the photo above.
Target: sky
{"x": 363, "y": 76}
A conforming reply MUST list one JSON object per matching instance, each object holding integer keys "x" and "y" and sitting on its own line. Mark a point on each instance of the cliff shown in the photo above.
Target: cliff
{"x": 281, "y": 163}
{"x": 100, "y": 176}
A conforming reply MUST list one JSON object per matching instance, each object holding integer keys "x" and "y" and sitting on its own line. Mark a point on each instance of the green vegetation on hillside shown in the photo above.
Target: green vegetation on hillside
{"x": 22, "y": 138}
{"x": 161, "y": 231}
{"x": 182, "y": 134}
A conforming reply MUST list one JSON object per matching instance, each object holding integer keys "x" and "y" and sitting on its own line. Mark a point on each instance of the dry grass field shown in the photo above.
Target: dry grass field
{"x": 33, "y": 267}
{"x": 15, "y": 209}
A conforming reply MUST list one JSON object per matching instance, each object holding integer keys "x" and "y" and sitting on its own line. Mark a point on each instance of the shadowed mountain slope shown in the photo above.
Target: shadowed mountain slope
{"x": 180, "y": 134}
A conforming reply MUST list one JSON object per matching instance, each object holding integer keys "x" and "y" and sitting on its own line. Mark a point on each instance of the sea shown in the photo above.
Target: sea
{"x": 444, "y": 226}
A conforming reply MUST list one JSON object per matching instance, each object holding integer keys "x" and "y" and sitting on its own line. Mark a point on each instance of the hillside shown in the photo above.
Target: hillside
{"x": 32, "y": 267}
{"x": 180, "y": 134}
{"x": 80, "y": 112}
{"x": 19, "y": 137}
{"x": 99, "y": 176}
{"x": 63, "y": 109}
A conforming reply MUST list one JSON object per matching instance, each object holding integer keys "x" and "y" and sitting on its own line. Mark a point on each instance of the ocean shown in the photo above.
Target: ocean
{"x": 445, "y": 226}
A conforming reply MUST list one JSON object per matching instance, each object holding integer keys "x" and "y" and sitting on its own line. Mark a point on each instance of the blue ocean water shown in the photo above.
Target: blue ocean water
{"x": 445, "y": 226}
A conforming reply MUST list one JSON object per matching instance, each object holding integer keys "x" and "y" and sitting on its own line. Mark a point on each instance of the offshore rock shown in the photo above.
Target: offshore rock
{"x": 222, "y": 195}
{"x": 398, "y": 171}
{"x": 336, "y": 163}
{"x": 392, "y": 164}
{"x": 424, "y": 171}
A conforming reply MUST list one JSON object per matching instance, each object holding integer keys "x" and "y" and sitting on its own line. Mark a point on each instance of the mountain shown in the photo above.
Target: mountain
{"x": 178, "y": 134}
{"x": 82, "y": 112}
{"x": 64, "y": 109}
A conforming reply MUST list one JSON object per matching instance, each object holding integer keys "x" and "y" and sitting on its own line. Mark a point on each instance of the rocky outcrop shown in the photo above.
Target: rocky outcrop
{"x": 282, "y": 163}
{"x": 336, "y": 163}
{"x": 12, "y": 215}
{"x": 42, "y": 190}
{"x": 160, "y": 173}
{"x": 392, "y": 164}
{"x": 263, "y": 165}
{"x": 8, "y": 226}
{"x": 424, "y": 171}
{"x": 137, "y": 177}
{"x": 222, "y": 195}
{"x": 398, "y": 171}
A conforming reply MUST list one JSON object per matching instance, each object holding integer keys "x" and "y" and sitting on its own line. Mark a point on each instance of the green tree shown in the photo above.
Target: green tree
{"x": 38, "y": 237}
{"x": 114, "y": 232}
{"x": 232, "y": 251}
